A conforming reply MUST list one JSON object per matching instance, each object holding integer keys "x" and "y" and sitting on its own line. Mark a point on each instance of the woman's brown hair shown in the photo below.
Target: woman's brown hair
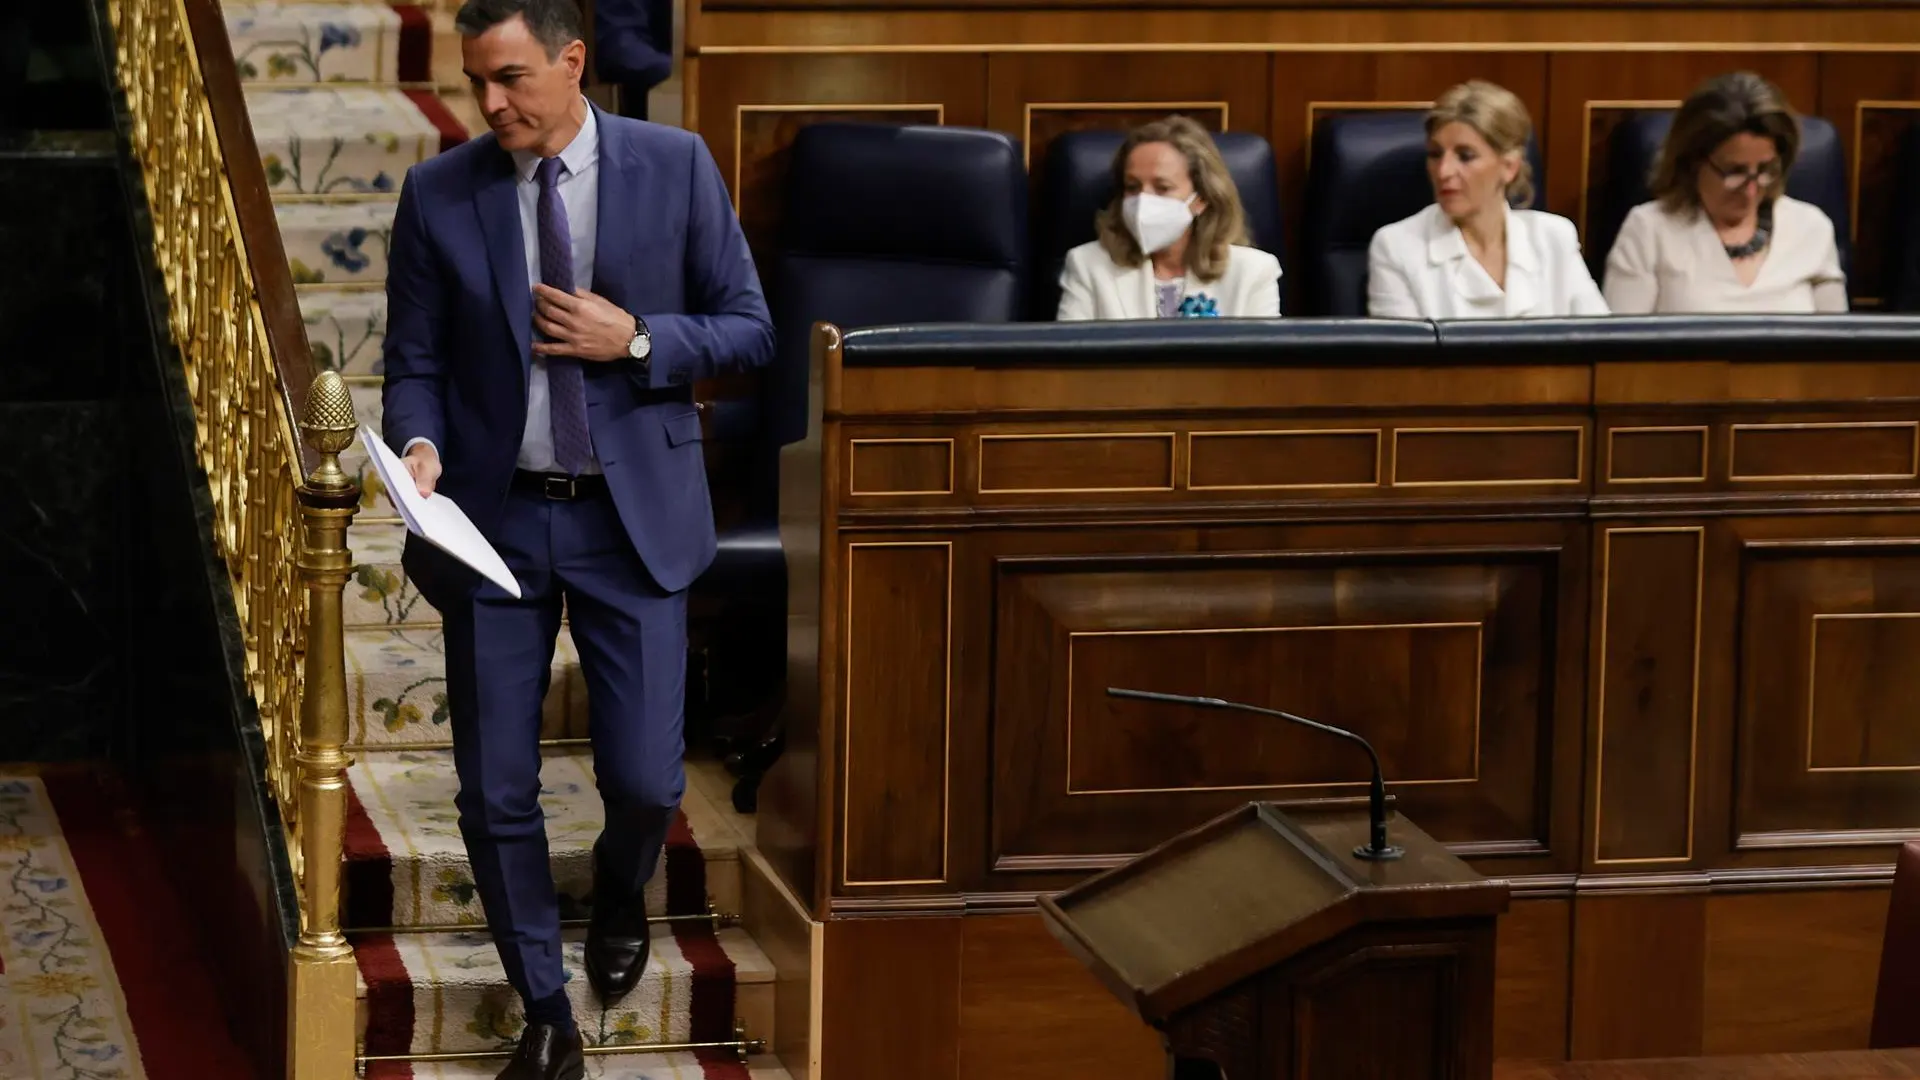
{"x": 1221, "y": 225}
{"x": 1722, "y": 107}
{"x": 1499, "y": 116}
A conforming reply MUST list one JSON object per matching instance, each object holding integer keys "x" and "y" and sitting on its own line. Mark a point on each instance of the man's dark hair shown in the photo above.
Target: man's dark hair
{"x": 554, "y": 23}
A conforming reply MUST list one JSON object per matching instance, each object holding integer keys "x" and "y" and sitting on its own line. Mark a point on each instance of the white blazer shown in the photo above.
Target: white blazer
{"x": 1668, "y": 263}
{"x": 1419, "y": 268}
{"x": 1093, "y": 286}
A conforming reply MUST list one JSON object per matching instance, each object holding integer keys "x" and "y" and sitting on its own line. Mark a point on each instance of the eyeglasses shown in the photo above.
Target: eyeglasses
{"x": 1734, "y": 179}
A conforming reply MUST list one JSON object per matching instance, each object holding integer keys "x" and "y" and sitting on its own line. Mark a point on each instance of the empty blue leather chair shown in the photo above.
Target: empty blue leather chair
{"x": 1819, "y": 177}
{"x": 1900, "y": 277}
{"x": 1368, "y": 169}
{"x": 893, "y": 224}
{"x": 1076, "y": 182}
{"x": 883, "y": 224}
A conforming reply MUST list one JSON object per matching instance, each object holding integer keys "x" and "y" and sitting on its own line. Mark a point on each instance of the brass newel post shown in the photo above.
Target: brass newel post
{"x": 320, "y": 1018}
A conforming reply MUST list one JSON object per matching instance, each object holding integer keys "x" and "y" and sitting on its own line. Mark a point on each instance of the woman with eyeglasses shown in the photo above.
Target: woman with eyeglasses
{"x": 1721, "y": 236}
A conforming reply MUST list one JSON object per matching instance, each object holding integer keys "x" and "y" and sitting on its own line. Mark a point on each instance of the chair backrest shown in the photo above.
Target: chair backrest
{"x": 1819, "y": 177}
{"x": 1900, "y": 276}
{"x": 1076, "y": 181}
{"x": 892, "y": 224}
{"x": 1368, "y": 170}
{"x": 1896, "y": 1001}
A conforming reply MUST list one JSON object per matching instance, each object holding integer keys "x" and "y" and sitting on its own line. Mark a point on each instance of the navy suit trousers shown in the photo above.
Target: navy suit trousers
{"x": 632, "y": 640}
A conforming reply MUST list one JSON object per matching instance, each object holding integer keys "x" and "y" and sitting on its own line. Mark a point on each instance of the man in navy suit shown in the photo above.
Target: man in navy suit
{"x": 554, "y": 290}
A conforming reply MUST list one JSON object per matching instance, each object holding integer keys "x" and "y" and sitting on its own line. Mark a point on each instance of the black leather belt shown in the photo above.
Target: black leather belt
{"x": 559, "y": 486}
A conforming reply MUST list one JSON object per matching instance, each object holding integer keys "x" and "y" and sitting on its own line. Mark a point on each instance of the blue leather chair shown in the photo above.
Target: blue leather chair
{"x": 1368, "y": 169}
{"x": 1819, "y": 177}
{"x": 1900, "y": 277}
{"x": 1076, "y": 181}
{"x": 883, "y": 224}
{"x": 892, "y": 224}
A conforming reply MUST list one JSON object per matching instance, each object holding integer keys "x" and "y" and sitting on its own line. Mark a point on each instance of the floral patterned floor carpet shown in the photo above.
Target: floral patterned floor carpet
{"x": 344, "y": 96}
{"x": 88, "y": 989}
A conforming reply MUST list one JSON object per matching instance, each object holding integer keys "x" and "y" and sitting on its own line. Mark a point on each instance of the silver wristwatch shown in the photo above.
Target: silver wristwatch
{"x": 642, "y": 344}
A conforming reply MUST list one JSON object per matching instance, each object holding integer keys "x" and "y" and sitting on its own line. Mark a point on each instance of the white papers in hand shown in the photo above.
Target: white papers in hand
{"x": 437, "y": 519}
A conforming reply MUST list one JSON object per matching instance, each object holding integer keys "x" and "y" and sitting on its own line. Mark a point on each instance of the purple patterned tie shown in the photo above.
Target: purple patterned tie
{"x": 566, "y": 389}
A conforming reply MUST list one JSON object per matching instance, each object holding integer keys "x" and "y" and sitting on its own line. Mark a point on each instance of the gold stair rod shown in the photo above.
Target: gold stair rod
{"x": 720, "y": 920}
{"x": 742, "y": 1047}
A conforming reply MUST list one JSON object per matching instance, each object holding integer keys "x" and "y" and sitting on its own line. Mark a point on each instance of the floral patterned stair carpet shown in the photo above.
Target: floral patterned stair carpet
{"x": 343, "y": 98}
{"x": 88, "y": 989}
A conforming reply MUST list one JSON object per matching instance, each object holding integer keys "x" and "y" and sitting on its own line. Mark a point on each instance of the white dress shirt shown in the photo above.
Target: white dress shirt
{"x": 1420, "y": 268}
{"x": 578, "y": 188}
{"x": 1674, "y": 263}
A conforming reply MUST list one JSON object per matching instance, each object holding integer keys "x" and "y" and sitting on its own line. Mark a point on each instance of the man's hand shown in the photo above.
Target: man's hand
{"x": 424, "y": 463}
{"x": 583, "y": 325}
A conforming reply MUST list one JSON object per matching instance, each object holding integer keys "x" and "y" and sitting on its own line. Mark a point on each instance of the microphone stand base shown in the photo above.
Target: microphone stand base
{"x": 1385, "y": 854}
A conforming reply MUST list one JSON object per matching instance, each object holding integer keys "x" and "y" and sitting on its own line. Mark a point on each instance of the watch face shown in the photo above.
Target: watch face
{"x": 640, "y": 346}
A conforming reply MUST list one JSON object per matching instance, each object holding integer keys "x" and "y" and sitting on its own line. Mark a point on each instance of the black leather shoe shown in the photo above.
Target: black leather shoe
{"x": 546, "y": 1052}
{"x": 617, "y": 940}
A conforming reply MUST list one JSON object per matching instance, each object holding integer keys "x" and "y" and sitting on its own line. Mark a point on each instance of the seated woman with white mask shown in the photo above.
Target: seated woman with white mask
{"x": 1172, "y": 244}
{"x": 1472, "y": 254}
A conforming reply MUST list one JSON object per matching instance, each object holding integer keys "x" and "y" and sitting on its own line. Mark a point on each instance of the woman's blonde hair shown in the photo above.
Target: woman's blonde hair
{"x": 1497, "y": 114}
{"x": 1221, "y": 225}
{"x": 1722, "y": 107}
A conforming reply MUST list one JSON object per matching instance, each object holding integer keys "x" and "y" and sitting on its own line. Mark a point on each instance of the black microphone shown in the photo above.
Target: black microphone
{"x": 1379, "y": 850}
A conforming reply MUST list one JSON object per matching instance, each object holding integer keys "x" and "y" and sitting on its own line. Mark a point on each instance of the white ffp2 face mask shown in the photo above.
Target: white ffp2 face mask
{"x": 1156, "y": 221}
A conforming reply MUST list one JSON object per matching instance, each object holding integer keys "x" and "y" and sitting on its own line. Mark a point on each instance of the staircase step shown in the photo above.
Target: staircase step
{"x": 339, "y": 139}
{"x": 337, "y": 243}
{"x": 346, "y": 329}
{"x": 407, "y": 864}
{"x": 340, "y": 41}
{"x": 380, "y": 594}
{"x": 396, "y": 689}
{"x": 616, "y": 1067}
{"x": 447, "y": 992}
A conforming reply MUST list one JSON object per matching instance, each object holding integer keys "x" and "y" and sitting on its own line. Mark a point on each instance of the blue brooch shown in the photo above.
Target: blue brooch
{"x": 1199, "y": 306}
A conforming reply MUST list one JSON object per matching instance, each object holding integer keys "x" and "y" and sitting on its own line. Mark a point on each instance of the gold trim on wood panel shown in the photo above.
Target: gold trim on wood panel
{"x": 855, "y": 444}
{"x": 846, "y": 724}
{"x": 981, "y": 460}
{"x": 1600, "y": 680}
{"x": 1579, "y": 455}
{"x": 1734, "y": 430}
{"x": 1479, "y": 668}
{"x": 1813, "y": 662}
{"x": 1314, "y": 108}
{"x": 938, "y": 109}
{"x": 1379, "y": 451}
{"x": 1853, "y": 167}
{"x": 1586, "y": 140}
{"x": 1705, "y": 433}
{"x": 1026, "y": 126}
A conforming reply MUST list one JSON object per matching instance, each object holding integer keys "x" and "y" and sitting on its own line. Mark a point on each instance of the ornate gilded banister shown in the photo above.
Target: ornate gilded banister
{"x": 281, "y": 509}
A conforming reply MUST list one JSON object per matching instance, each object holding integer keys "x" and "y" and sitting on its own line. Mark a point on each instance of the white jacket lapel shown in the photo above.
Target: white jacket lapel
{"x": 1526, "y": 279}
{"x": 1135, "y": 287}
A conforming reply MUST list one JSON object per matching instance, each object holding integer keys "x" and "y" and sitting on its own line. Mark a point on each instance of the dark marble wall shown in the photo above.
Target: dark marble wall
{"x": 68, "y": 327}
{"x": 118, "y": 639}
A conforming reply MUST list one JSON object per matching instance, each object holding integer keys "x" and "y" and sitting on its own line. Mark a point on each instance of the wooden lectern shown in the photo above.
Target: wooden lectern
{"x": 1264, "y": 948}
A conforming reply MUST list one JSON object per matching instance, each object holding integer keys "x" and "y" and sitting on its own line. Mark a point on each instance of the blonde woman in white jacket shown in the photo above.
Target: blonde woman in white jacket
{"x": 1471, "y": 254}
{"x": 1173, "y": 243}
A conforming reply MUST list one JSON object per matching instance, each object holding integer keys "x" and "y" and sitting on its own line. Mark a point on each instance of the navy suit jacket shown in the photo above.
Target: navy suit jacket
{"x": 460, "y": 331}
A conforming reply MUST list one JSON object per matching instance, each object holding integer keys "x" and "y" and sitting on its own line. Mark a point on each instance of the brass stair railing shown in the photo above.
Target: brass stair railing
{"x": 281, "y": 511}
